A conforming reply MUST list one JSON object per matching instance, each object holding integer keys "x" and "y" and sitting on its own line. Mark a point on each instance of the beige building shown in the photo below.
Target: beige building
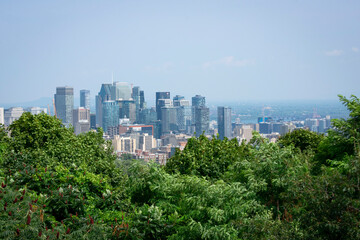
{"x": 81, "y": 120}
{"x": 124, "y": 144}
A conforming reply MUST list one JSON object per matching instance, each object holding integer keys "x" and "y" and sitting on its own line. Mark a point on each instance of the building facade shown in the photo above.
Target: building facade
{"x": 224, "y": 122}
{"x": 64, "y": 104}
{"x": 85, "y": 98}
{"x": 160, "y": 95}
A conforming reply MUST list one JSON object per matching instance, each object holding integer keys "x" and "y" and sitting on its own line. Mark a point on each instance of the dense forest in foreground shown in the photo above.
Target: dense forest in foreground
{"x": 56, "y": 185}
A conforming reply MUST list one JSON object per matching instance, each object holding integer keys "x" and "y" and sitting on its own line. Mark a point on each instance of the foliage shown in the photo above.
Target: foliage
{"x": 302, "y": 139}
{"x": 56, "y": 185}
{"x": 204, "y": 157}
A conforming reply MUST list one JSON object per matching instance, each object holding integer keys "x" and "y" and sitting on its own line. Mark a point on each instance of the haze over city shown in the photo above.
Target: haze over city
{"x": 224, "y": 50}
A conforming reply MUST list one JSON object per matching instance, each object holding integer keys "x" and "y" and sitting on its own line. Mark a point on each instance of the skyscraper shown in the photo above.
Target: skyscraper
{"x": 197, "y": 101}
{"x": 121, "y": 91}
{"x": 64, "y": 104}
{"x": 160, "y": 95}
{"x": 136, "y": 98}
{"x": 85, "y": 98}
{"x": 127, "y": 109}
{"x": 177, "y": 99}
{"x": 103, "y": 95}
{"x": 142, "y": 100}
{"x": 224, "y": 122}
{"x": 110, "y": 114}
{"x": 168, "y": 119}
{"x": 81, "y": 120}
{"x": 202, "y": 115}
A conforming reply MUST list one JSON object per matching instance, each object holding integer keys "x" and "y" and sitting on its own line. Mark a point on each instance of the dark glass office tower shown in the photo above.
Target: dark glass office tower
{"x": 224, "y": 122}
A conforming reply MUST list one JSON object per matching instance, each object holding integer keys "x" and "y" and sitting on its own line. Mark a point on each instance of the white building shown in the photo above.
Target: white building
{"x": 12, "y": 114}
{"x": 2, "y": 121}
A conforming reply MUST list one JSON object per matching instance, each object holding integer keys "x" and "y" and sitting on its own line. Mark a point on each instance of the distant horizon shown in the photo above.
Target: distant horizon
{"x": 227, "y": 51}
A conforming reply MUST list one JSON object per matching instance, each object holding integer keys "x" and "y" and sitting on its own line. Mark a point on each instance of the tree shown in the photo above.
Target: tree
{"x": 302, "y": 139}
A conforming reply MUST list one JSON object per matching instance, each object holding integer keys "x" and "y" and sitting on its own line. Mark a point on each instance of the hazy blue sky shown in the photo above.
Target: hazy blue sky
{"x": 224, "y": 50}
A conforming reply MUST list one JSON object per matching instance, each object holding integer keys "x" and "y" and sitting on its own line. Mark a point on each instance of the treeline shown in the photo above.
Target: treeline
{"x": 56, "y": 185}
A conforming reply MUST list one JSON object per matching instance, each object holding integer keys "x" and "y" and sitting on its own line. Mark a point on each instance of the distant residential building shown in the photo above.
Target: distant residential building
{"x": 81, "y": 120}
{"x": 110, "y": 114}
{"x": 146, "y": 142}
{"x": 124, "y": 144}
{"x": 224, "y": 122}
{"x": 64, "y": 104}
{"x": 85, "y": 98}
{"x": 2, "y": 120}
{"x": 159, "y": 96}
{"x": 12, "y": 114}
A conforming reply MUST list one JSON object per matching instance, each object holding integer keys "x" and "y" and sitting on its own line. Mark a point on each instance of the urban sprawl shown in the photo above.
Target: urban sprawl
{"x": 153, "y": 134}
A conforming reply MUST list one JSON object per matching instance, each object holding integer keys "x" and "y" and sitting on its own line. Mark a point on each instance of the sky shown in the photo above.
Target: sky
{"x": 224, "y": 50}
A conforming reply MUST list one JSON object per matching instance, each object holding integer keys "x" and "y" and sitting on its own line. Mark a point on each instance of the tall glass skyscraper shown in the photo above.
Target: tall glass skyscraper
{"x": 121, "y": 91}
{"x": 85, "y": 98}
{"x": 224, "y": 122}
{"x": 103, "y": 95}
{"x": 110, "y": 114}
{"x": 64, "y": 104}
{"x": 159, "y": 96}
{"x": 202, "y": 117}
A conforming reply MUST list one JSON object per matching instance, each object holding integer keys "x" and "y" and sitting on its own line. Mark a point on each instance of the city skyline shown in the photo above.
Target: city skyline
{"x": 231, "y": 51}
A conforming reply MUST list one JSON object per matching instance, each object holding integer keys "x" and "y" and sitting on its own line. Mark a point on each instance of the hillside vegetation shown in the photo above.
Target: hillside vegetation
{"x": 56, "y": 185}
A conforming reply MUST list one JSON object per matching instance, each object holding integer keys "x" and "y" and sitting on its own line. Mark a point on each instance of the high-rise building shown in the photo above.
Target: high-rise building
{"x": 160, "y": 95}
{"x": 110, "y": 114}
{"x": 202, "y": 115}
{"x": 2, "y": 120}
{"x": 224, "y": 122}
{"x": 183, "y": 114}
{"x": 127, "y": 109}
{"x": 197, "y": 101}
{"x": 12, "y": 114}
{"x": 64, "y": 104}
{"x": 81, "y": 120}
{"x": 168, "y": 119}
{"x": 103, "y": 95}
{"x": 177, "y": 99}
{"x": 136, "y": 98}
{"x": 147, "y": 115}
{"x": 265, "y": 128}
{"x": 121, "y": 91}
{"x": 142, "y": 100}
{"x": 85, "y": 98}
{"x": 92, "y": 121}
